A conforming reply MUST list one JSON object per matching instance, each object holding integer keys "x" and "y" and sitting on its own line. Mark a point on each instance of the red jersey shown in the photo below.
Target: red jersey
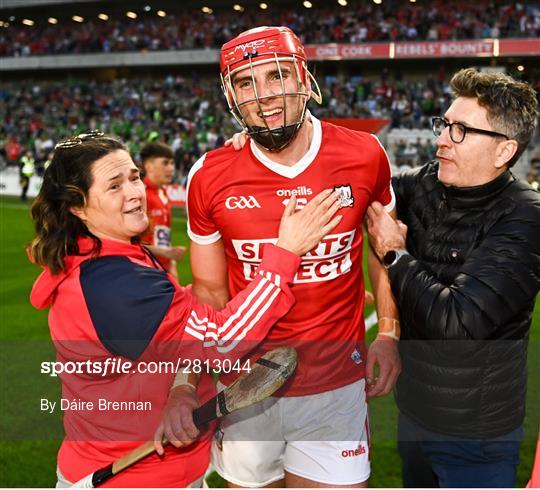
{"x": 159, "y": 212}
{"x": 240, "y": 197}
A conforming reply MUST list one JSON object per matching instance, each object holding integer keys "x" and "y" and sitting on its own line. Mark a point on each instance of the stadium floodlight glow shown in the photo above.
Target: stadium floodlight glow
{"x": 378, "y": 2}
{"x": 52, "y": 20}
{"x": 162, "y": 13}
{"x": 308, "y": 4}
{"x": 238, "y": 7}
{"x": 103, "y": 17}
{"x": 207, "y": 10}
{"x": 131, "y": 15}
{"x": 263, "y": 6}
{"x": 78, "y": 18}
{"x": 28, "y": 22}
{"x": 343, "y": 3}
{"x": 12, "y": 18}
{"x": 1, "y": 23}
{"x": 520, "y": 68}
{"x": 147, "y": 8}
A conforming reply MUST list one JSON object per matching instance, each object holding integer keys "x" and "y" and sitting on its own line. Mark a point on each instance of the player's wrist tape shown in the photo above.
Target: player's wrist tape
{"x": 182, "y": 379}
{"x": 389, "y": 327}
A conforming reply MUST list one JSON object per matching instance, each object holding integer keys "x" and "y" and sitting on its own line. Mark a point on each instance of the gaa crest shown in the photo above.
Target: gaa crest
{"x": 347, "y": 199}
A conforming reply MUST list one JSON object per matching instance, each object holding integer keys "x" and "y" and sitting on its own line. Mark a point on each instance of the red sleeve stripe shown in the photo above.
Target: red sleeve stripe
{"x": 233, "y": 343}
{"x": 274, "y": 278}
{"x": 241, "y": 322}
{"x": 202, "y": 325}
{"x": 210, "y": 332}
{"x": 261, "y": 301}
{"x": 245, "y": 305}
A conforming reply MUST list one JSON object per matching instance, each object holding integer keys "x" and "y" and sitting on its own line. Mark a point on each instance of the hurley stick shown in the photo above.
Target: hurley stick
{"x": 267, "y": 375}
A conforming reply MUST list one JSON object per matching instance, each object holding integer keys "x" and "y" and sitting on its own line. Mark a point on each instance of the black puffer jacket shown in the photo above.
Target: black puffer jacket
{"x": 466, "y": 295}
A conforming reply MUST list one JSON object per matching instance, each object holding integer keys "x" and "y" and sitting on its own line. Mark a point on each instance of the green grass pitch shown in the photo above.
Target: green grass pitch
{"x": 31, "y": 462}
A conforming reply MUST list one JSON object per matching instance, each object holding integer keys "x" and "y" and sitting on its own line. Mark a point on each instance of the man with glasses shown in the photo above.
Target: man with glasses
{"x": 464, "y": 265}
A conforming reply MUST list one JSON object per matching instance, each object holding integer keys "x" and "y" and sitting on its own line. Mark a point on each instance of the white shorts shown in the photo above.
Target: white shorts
{"x": 322, "y": 437}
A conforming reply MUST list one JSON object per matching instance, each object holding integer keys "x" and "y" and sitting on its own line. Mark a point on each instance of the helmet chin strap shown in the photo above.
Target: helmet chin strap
{"x": 276, "y": 139}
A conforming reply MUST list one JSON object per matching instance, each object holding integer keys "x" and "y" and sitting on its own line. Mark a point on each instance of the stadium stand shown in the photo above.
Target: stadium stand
{"x": 184, "y": 29}
{"x": 131, "y": 91}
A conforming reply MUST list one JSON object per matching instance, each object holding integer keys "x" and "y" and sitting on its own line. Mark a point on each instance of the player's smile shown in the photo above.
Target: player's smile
{"x": 272, "y": 117}
{"x": 271, "y": 114}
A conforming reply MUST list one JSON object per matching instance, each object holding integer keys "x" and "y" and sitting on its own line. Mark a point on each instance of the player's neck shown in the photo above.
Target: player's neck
{"x": 290, "y": 155}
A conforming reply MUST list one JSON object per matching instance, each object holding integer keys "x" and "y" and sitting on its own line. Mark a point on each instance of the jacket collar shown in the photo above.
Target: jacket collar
{"x": 466, "y": 197}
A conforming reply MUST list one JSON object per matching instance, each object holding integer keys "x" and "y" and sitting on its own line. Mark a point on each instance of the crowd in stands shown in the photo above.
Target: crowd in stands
{"x": 393, "y": 20}
{"x": 408, "y": 104}
{"x": 409, "y": 154}
{"x": 190, "y": 112}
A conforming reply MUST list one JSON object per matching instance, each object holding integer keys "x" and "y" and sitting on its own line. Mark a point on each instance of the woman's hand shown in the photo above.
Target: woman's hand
{"x": 300, "y": 231}
{"x": 177, "y": 420}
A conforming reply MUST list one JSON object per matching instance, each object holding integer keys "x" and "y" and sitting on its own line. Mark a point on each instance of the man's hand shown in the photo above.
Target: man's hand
{"x": 177, "y": 420}
{"x": 384, "y": 233}
{"x": 238, "y": 140}
{"x": 384, "y": 352}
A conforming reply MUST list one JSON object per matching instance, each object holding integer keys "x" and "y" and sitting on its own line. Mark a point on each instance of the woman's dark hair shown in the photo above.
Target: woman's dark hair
{"x": 65, "y": 186}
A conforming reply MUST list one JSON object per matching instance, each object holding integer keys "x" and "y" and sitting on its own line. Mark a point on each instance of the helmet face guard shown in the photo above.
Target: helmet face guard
{"x": 268, "y": 45}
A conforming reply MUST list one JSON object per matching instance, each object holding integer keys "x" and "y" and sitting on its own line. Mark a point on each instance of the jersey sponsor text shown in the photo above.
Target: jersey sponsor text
{"x": 331, "y": 258}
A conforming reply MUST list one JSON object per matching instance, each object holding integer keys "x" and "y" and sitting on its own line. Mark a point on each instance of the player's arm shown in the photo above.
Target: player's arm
{"x": 386, "y": 304}
{"x": 209, "y": 271}
{"x": 383, "y": 350}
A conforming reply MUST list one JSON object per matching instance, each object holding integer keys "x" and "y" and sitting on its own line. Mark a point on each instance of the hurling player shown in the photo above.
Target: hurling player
{"x": 316, "y": 432}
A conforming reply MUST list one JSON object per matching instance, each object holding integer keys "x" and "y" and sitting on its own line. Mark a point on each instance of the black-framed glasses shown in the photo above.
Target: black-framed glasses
{"x": 458, "y": 131}
{"x": 77, "y": 140}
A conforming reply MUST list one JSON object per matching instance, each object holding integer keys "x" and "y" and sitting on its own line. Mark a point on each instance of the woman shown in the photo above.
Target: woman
{"x": 114, "y": 310}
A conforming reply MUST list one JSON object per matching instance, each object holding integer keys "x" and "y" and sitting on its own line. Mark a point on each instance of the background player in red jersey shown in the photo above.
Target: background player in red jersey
{"x": 158, "y": 163}
{"x": 316, "y": 433}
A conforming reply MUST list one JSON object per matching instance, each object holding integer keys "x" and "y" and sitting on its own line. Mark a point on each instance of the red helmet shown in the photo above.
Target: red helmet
{"x": 262, "y": 43}
{"x": 268, "y": 45}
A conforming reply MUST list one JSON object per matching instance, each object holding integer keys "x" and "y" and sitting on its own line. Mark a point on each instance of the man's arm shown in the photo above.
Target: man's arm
{"x": 209, "y": 271}
{"x": 383, "y": 350}
{"x": 497, "y": 280}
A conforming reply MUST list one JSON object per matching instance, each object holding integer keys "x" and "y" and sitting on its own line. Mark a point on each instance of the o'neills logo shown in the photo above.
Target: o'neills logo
{"x": 251, "y": 45}
{"x": 301, "y": 190}
{"x": 351, "y": 453}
